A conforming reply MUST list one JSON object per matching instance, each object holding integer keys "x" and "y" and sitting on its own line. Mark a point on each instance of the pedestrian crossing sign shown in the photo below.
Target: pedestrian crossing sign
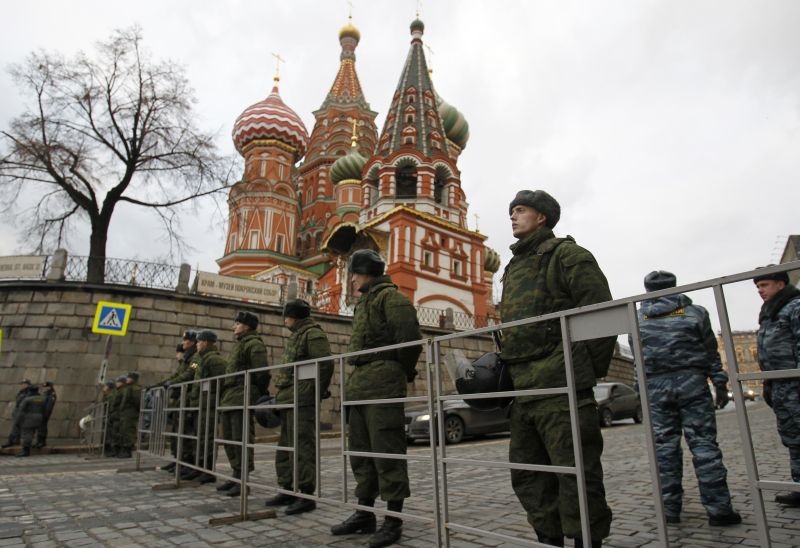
{"x": 111, "y": 318}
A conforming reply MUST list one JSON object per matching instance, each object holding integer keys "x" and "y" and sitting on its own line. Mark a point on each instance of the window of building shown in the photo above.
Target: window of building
{"x": 232, "y": 242}
{"x": 279, "y": 243}
{"x": 409, "y": 118}
{"x": 408, "y": 141}
{"x": 263, "y": 168}
{"x": 254, "y": 239}
{"x": 739, "y": 354}
{"x": 427, "y": 259}
{"x": 457, "y": 267}
{"x": 280, "y": 172}
{"x": 406, "y": 181}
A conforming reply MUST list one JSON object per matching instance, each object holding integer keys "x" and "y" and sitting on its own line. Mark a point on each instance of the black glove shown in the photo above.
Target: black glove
{"x": 166, "y": 384}
{"x": 722, "y": 395}
{"x": 767, "y": 393}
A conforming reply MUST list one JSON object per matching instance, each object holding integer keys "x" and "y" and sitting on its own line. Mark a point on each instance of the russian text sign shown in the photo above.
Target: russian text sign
{"x": 238, "y": 288}
{"x": 30, "y": 266}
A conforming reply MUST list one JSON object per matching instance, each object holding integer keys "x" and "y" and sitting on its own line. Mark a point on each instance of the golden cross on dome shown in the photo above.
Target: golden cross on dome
{"x": 350, "y": 14}
{"x": 476, "y": 221}
{"x": 278, "y": 61}
{"x": 430, "y": 59}
{"x": 354, "y": 138}
{"x": 419, "y": 6}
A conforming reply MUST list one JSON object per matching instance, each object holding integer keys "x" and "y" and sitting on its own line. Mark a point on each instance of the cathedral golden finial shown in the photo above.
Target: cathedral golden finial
{"x": 278, "y": 61}
{"x": 354, "y": 138}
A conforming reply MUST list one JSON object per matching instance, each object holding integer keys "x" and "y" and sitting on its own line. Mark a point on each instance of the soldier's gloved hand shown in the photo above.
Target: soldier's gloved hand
{"x": 167, "y": 384}
{"x": 767, "y": 393}
{"x": 722, "y": 395}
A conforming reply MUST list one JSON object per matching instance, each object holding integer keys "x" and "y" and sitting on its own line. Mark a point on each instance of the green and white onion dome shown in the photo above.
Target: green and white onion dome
{"x": 456, "y": 127}
{"x": 492, "y": 261}
{"x": 348, "y": 167}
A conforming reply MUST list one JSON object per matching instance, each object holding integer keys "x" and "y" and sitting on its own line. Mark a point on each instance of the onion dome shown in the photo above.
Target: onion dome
{"x": 455, "y": 125}
{"x": 270, "y": 119}
{"x": 492, "y": 261}
{"x": 349, "y": 166}
{"x": 350, "y": 31}
{"x": 417, "y": 25}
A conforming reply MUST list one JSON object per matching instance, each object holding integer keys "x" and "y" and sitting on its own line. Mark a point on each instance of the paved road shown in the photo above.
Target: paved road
{"x": 66, "y": 500}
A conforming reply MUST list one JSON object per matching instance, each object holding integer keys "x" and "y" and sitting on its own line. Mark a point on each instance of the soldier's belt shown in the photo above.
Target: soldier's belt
{"x": 387, "y": 355}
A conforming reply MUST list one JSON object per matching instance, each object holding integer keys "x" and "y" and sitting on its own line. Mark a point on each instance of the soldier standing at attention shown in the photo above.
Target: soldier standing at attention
{"x": 548, "y": 274}
{"x": 29, "y": 418}
{"x": 113, "y": 431}
{"x": 680, "y": 355}
{"x": 248, "y": 352}
{"x": 383, "y": 316}
{"x": 306, "y": 342}
{"x": 779, "y": 350}
{"x": 24, "y": 392}
{"x": 51, "y": 397}
{"x": 210, "y": 363}
{"x": 105, "y": 397}
{"x": 129, "y": 403}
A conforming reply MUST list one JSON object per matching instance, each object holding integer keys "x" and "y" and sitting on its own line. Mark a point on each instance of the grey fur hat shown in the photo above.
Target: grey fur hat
{"x": 541, "y": 201}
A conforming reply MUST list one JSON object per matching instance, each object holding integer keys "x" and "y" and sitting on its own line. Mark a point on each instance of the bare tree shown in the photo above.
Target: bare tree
{"x": 99, "y": 131}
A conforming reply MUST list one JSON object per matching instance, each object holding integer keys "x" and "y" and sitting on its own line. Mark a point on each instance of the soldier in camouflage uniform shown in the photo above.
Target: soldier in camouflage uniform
{"x": 24, "y": 392}
{"x": 779, "y": 350}
{"x": 29, "y": 417}
{"x": 106, "y": 395}
{"x": 248, "y": 352}
{"x": 680, "y": 355}
{"x": 548, "y": 274}
{"x": 306, "y": 342}
{"x": 129, "y": 403}
{"x": 383, "y": 316}
{"x": 209, "y": 363}
{"x": 49, "y": 392}
{"x": 183, "y": 354}
{"x": 112, "y": 427}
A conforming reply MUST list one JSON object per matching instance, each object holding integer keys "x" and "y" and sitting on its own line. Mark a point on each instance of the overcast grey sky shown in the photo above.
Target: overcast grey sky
{"x": 669, "y": 131}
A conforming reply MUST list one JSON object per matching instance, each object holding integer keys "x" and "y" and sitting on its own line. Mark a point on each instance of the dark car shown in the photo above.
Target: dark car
{"x": 617, "y": 401}
{"x": 460, "y": 421}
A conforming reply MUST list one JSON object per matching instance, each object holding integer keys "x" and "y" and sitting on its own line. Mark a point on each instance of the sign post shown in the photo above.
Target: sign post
{"x": 110, "y": 319}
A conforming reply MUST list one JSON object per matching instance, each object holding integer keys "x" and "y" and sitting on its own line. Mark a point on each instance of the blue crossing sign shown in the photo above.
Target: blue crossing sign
{"x": 111, "y": 318}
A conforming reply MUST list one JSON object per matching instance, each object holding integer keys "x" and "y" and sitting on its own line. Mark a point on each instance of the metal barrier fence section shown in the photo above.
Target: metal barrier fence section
{"x": 448, "y": 514}
{"x": 94, "y": 429}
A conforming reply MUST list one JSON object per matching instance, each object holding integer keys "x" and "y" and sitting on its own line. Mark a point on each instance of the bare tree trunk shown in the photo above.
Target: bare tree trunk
{"x": 96, "y": 271}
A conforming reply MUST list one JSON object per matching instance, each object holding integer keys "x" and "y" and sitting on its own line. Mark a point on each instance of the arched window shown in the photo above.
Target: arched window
{"x": 439, "y": 180}
{"x": 406, "y": 181}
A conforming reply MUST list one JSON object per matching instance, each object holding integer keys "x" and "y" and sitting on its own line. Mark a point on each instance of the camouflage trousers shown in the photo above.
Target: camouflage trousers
{"x": 378, "y": 429}
{"x": 786, "y": 406}
{"x": 544, "y": 436}
{"x": 681, "y": 405}
{"x": 306, "y": 452}
{"x": 232, "y": 430}
{"x": 126, "y": 431}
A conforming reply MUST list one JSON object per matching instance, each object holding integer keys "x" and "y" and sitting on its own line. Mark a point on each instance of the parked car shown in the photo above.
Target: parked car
{"x": 617, "y": 401}
{"x": 460, "y": 421}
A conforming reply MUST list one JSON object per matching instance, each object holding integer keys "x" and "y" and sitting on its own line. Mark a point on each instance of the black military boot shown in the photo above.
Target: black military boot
{"x": 169, "y": 467}
{"x": 189, "y": 474}
{"x": 790, "y": 499}
{"x": 230, "y": 484}
{"x": 123, "y": 454}
{"x": 300, "y": 506}
{"x": 552, "y": 541}
{"x": 388, "y": 534}
{"x": 26, "y": 452}
{"x": 206, "y": 478}
{"x": 361, "y": 522}
{"x": 595, "y": 543}
{"x": 281, "y": 499}
{"x": 721, "y": 520}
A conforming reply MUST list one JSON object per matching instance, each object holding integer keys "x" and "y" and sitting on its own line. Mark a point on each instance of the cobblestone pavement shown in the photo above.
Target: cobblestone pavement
{"x": 67, "y": 500}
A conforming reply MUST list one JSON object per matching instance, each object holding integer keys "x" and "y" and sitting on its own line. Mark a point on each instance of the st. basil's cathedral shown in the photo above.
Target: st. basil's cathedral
{"x": 398, "y": 193}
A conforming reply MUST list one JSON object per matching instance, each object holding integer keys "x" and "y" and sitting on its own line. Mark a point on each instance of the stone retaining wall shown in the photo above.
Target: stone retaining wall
{"x": 47, "y": 336}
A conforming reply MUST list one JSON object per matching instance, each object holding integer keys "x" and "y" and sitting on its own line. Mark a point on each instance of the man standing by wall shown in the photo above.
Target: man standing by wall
{"x": 113, "y": 431}
{"x": 383, "y": 316}
{"x": 210, "y": 363}
{"x": 129, "y": 403}
{"x": 680, "y": 355}
{"x": 248, "y": 352}
{"x": 548, "y": 274}
{"x": 779, "y": 350}
{"x": 306, "y": 342}
{"x": 49, "y": 392}
{"x": 29, "y": 418}
{"x": 14, "y": 435}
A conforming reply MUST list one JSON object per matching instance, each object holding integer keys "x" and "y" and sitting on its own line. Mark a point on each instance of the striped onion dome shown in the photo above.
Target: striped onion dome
{"x": 348, "y": 167}
{"x": 456, "y": 127}
{"x": 492, "y": 261}
{"x": 270, "y": 119}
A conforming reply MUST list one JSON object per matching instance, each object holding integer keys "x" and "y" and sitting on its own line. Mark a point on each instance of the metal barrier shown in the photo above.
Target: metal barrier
{"x": 93, "y": 429}
{"x": 608, "y": 319}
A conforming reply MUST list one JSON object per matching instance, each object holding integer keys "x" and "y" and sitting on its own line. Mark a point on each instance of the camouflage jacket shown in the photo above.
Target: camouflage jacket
{"x": 206, "y": 365}
{"x": 306, "y": 342}
{"x": 130, "y": 400}
{"x": 545, "y": 275}
{"x": 31, "y": 411}
{"x": 677, "y": 336}
{"x": 383, "y": 316}
{"x": 114, "y": 401}
{"x": 248, "y": 352}
{"x": 779, "y": 331}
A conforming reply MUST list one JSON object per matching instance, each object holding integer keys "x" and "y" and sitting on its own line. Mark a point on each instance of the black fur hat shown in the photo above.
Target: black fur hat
{"x": 541, "y": 201}
{"x": 207, "y": 335}
{"x": 778, "y": 277}
{"x": 247, "y": 318}
{"x": 190, "y": 335}
{"x": 297, "y": 309}
{"x": 366, "y": 261}
{"x": 659, "y": 279}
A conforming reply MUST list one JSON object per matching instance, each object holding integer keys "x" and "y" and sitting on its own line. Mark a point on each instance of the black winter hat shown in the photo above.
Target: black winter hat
{"x": 121, "y": 378}
{"x": 25, "y": 381}
{"x": 247, "y": 318}
{"x": 33, "y": 388}
{"x": 778, "y": 276}
{"x": 109, "y": 384}
{"x": 297, "y": 309}
{"x": 659, "y": 279}
{"x": 189, "y": 335}
{"x": 366, "y": 261}
{"x": 179, "y": 348}
{"x": 48, "y": 384}
{"x": 133, "y": 375}
{"x": 541, "y": 201}
{"x": 207, "y": 335}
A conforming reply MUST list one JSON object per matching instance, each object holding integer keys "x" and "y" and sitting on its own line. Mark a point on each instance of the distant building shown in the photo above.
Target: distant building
{"x": 745, "y": 346}
{"x": 792, "y": 253}
{"x": 398, "y": 193}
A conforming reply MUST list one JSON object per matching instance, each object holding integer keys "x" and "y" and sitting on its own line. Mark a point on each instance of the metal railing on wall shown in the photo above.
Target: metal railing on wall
{"x": 125, "y": 272}
{"x": 602, "y": 320}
